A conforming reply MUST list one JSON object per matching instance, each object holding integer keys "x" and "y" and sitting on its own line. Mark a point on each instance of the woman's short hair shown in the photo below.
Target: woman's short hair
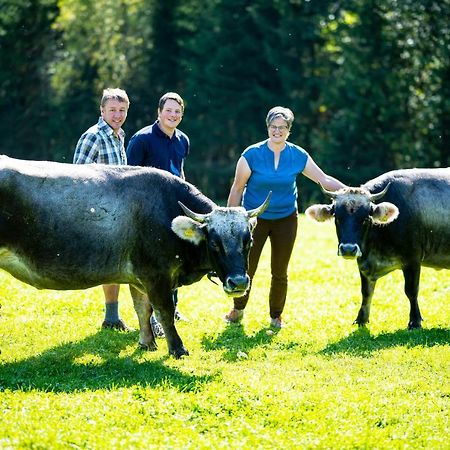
{"x": 280, "y": 112}
{"x": 170, "y": 96}
{"x": 114, "y": 94}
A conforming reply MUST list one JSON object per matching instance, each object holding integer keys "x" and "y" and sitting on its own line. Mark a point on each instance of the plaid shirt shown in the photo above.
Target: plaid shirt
{"x": 100, "y": 145}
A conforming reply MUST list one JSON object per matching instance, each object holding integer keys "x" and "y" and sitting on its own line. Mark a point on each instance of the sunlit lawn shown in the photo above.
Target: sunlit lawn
{"x": 319, "y": 383}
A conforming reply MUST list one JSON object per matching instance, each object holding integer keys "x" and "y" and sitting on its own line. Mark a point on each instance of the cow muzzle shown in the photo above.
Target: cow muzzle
{"x": 349, "y": 251}
{"x": 236, "y": 285}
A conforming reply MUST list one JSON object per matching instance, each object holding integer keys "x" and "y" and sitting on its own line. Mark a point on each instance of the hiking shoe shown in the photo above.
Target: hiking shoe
{"x": 277, "y": 323}
{"x": 235, "y": 315}
{"x": 157, "y": 328}
{"x": 119, "y": 325}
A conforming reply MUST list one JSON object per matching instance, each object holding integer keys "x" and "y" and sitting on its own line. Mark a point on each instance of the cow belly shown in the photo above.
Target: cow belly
{"x": 21, "y": 270}
{"x": 375, "y": 265}
{"x": 56, "y": 277}
{"x": 436, "y": 250}
{"x": 437, "y": 262}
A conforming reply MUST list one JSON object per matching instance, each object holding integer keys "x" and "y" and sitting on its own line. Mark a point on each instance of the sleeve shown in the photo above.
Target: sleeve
{"x": 135, "y": 152}
{"x": 302, "y": 156}
{"x": 86, "y": 151}
{"x": 249, "y": 154}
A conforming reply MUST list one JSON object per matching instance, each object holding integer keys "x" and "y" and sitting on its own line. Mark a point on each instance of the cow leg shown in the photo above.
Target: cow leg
{"x": 367, "y": 290}
{"x": 161, "y": 299}
{"x": 144, "y": 311}
{"x": 411, "y": 274}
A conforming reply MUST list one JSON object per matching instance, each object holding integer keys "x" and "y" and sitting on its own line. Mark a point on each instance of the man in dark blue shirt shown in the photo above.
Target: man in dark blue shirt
{"x": 163, "y": 146}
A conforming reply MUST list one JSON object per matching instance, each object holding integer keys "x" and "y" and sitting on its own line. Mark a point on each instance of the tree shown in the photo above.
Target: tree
{"x": 27, "y": 42}
{"x": 104, "y": 44}
{"x": 244, "y": 58}
{"x": 385, "y": 72}
{"x": 368, "y": 80}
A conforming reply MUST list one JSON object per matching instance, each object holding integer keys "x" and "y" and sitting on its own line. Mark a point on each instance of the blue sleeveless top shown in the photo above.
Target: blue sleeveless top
{"x": 265, "y": 178}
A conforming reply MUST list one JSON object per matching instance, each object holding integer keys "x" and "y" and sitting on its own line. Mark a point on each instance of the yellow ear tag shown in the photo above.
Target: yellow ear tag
{"x": 189, "y": 233}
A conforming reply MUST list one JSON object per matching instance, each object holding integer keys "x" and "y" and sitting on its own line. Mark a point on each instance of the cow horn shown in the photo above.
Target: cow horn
{"x": 330, "y": 194}
{"x": 257, "y": 211}
{"x": 200, "y": 218}
{"x": 375, "y": 197}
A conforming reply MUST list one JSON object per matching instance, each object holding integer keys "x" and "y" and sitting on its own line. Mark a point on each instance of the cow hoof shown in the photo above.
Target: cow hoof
{"x": 151, "y": 347}
{"x": 179, "y": 352}
{"x": 414, "y": 326}
{"x": 360, "y": 324}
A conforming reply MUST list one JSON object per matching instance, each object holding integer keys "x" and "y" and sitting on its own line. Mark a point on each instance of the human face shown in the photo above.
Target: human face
{"x": 170, "y": 116}
{"x": 278, "y": 131}
{"x": 114, "y": 113}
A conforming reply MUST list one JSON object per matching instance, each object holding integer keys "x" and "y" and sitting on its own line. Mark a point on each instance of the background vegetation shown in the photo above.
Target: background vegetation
{"x": 369, "y": 80}
{"x": 319, "y": 383}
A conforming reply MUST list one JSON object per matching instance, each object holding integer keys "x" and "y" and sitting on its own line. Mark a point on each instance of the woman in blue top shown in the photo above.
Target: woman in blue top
{"x": 273, "y": 165}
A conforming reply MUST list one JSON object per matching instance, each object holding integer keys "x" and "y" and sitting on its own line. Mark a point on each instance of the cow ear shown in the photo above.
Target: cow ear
{"x": 188, "y": 229}
{"x": 320, "y": 213}
{"x": 384, "y": 213}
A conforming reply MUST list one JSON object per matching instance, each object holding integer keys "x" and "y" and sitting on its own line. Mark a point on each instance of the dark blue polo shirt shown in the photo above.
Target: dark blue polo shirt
{"x": 150, "y": 146}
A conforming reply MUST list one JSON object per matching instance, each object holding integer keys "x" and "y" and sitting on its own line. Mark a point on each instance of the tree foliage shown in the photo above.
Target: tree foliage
{"x": 26, "y": 50}
{"x": 367, "y": 80}
{"x": 387, "y": 61}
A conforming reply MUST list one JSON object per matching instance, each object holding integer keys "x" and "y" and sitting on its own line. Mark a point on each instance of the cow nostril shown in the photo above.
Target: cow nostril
{"x": 237, "y": 283}
{"x": 349, "y": 250}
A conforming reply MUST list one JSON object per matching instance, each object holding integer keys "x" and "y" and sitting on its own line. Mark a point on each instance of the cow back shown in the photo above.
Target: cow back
{"x": 422, "y": 227}
{"x": 60, "y": 223}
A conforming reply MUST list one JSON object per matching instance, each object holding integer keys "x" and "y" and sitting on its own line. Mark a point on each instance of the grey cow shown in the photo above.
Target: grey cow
{"x": 409, "y": 229}
{"x": 65, "y": 226}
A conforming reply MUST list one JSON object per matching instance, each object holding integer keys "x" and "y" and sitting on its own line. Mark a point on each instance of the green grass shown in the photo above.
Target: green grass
{"x": 319, "y": 383}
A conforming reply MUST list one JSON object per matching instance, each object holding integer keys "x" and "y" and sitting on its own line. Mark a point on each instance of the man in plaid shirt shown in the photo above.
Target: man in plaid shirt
{"x": 103, "y": 143}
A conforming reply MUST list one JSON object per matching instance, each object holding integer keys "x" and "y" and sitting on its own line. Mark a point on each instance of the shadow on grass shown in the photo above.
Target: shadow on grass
{"x": 96, "y": 363}
{"x": 234, "y": 341}
{"x": 362, "y": 343}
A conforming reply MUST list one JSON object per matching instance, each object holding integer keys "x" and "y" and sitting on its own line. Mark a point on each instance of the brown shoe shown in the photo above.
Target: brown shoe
{"x": 119, "y": 325}
{"x": 235, "y": 315}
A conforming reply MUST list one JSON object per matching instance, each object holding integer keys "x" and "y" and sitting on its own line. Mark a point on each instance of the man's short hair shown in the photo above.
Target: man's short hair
{"x": 114, "y": 94}
{"x": 170, "y": 96}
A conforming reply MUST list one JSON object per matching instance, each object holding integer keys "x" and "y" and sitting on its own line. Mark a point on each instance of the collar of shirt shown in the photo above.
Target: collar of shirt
{"x": 160, "y": 133}
{"x": 105, "y": 128}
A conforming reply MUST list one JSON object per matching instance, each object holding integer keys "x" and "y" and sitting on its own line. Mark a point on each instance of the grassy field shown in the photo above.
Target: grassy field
{"x": 319, "y": 383}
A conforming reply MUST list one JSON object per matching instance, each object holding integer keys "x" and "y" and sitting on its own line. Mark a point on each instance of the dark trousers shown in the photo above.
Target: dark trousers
{"x": 282, "y": 234}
